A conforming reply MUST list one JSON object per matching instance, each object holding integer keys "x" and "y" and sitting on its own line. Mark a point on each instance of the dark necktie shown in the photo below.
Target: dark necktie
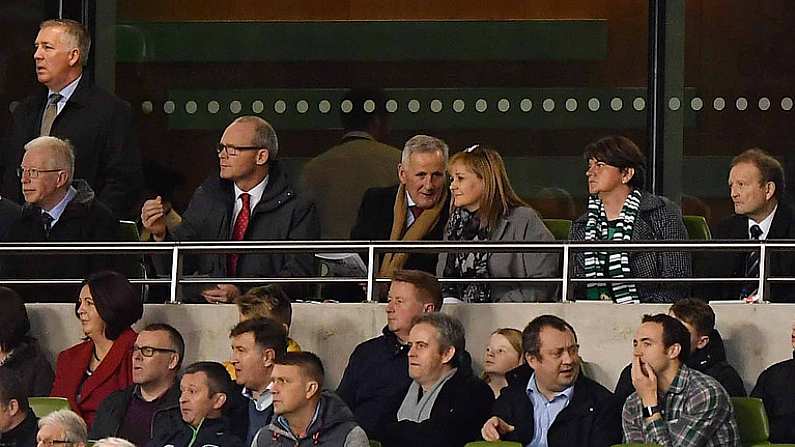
{"x": 752, "y": 263}
{"x": 46, "y": 220}
{"x": 416, "y": 211}
{"x": 239, "y": 230}
{"x": 50, "y": 112}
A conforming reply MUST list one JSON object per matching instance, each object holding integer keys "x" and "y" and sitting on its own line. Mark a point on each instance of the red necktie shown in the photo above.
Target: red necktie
{"x": 416, "y": 211}
{"x": 241, "y": 223}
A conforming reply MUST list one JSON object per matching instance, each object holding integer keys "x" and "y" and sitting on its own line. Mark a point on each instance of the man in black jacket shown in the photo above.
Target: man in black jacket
{"x": 131, "y": 413}
{"x": 18, "y": 424}
{"x": 445, "y": 403}
{"x": 707, "y": 353}
{"x": 249, "y": 199}
{"x": 549, "y": 399}
{"x": 376, "y": 378}
{"x": 775, "y": 388}
{"x": 97, "y": 123}
{"x": 205, "y": 388}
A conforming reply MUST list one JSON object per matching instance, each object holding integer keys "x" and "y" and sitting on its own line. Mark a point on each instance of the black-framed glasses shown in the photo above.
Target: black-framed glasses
{"x": 149, "y": 351}
{"x": 233, "y": 151}
{"x": 33, "y": 172}
{"x": 53, "y": 442}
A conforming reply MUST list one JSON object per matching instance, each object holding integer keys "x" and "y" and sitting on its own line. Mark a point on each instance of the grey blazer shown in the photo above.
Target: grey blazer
{"x": 521, "y": 224}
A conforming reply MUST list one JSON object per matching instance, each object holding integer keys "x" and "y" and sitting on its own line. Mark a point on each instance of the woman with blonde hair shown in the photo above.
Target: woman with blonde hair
{"x": 484, "y": 206}
{"x": 503, "y": 353}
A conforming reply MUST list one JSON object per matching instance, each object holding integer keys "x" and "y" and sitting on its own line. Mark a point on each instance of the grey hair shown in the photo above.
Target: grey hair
{"x": 74, "y": 427}
{"x": 449, "y": 332}
{"x": 77, "y": 34}
{"x": 113, "y": 442}
{"x": 264, "y": 135}
{"x": 423, "y": 144}
{"x": 63, "y": 153}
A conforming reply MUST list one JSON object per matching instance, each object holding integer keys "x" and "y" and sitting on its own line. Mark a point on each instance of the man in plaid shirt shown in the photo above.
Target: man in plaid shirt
{"x": 674, "y": 405}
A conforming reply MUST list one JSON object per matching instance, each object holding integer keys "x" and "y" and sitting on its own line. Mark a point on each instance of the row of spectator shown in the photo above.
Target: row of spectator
{"x": 414, "y": 385}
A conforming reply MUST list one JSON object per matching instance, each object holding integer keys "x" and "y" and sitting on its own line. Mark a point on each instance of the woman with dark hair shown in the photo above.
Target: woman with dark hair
{"x": 19, "y": 352}
{"x": 620, "y": 210}
{"x": 89, "y": 371}
{"x": 484, "y": 206}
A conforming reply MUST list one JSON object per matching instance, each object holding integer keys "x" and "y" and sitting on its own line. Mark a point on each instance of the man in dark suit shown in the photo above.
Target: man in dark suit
{"x": 756, "y": 182}
{"x": 415, "y": 209}
{"x": 97, "y": 123}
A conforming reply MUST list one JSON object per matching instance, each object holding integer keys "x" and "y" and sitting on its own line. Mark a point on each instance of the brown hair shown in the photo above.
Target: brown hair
{"x": 696, "y": 313}
{"x": 499, "y": 197}
{"x": 310, "y": 365}
{"x": 76, "y": 31}
{"x": 620, "y": 152}
{"x": 514, "y": 337}
{"x": 426, "y": 284}
{"x": 266, "y": 302}
{"x": 770, "y": 169}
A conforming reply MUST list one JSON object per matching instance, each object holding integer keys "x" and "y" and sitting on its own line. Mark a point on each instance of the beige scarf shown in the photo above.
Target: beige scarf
{"x": 421, "y": 226}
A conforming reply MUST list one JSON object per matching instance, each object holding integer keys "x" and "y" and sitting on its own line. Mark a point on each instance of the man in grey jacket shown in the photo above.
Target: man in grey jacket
{"x": 305, "y": 415}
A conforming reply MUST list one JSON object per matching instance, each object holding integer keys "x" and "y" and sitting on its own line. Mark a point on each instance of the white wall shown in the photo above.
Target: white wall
{"x": 756, "y": 336}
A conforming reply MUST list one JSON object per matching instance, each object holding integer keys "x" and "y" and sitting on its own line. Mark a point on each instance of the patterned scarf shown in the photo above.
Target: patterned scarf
{"x": 465, "y": 226}
{"x": 596, "y": 229}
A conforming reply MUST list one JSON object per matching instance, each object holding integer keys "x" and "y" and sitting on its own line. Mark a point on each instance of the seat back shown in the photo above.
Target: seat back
{"x": 697, "y": 228}
{"x": 751, "y": 420}
{"x": 42, "y": 406}
{"x": 559, "y": 228}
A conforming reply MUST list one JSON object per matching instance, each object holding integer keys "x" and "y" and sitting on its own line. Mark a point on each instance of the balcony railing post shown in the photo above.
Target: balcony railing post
{"x": 371, "y": 273}
{"x": 762, "y": 291}
{"x": 565, "y": 274}
{"x": 176, "y": 271}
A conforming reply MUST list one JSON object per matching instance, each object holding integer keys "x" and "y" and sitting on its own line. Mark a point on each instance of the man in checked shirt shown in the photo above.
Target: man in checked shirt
{"x": 674, "y": 405}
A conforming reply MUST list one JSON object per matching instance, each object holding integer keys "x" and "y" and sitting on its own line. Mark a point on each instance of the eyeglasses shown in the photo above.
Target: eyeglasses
{"x": 149, "y": 351}
{"x": 52, "y": 442}
{"x": 234, "y": 151}
{"x": 33, "y": 172}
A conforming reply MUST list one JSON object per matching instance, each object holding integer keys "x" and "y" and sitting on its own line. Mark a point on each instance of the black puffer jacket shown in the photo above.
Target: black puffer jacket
{"x": 113, "y": 410}
{"x": 776, "y": 388}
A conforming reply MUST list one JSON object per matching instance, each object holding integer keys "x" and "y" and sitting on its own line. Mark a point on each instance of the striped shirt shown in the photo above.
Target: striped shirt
{"x": 697, "y": 412}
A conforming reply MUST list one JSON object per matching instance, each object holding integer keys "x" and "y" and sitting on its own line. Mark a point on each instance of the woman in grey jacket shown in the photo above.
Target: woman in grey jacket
{"x": 484, "y": 206}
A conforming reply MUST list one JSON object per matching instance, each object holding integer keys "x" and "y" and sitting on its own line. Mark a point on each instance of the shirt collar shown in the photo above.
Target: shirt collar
{"x": 680, "y": 380}
{"x": 255, "y": 192}
{"x": 58, "y": 209}
{"x": 532, "y": 387}
{"x": 764, "y": 225}
{"x": 281, "y": 420}
{"x": 265, "y": 398}
{"x": 67, "y": 91}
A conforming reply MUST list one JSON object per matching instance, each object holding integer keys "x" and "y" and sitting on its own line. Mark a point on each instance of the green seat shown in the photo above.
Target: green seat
{"x": 559, "y": 228}
{"x": 697, "y": 228}
{"x": 374, "y": 443}
{"x": 751, "y": 420}
{"x": 493, "y": 444}
{"x": 42, "y": 406}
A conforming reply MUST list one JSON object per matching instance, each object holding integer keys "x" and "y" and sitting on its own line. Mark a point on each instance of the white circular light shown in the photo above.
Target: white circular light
{"x": 302, "y": 106}
{"x": 191, "y": 107}
{"x": 616, "y": 104}
{"x": 504, "y": 105}
{"x": 594, "y": 104}
{"x": 169, "y": 107}
{"x": 324, "y": 106}
{"x": 459, "y": 105}
{"x": 696, "y": 104}
{"x": 719, "y": 104}
{"x": 786, "y": 104}
{"x": 391, "y": 106}
{"x": 741, "y": 103}
{"x": 346, "y": 106}
{"x": 146, "y": 107}
{"x": 369, "y": 106}
{"x": 526, "y": 105}
{"x": 571, "y": 104}
{"x": 235, "y": 107}
{"x": 213, "y": 107}
{"x": 639, "y": 104}
{"x": 280, "y": 106}
{"x": 414, "y": 106}
{"x": 548, "y": 105}
{"x": 764, "y": 103}
{"x": 257, "y": 106}
{"x": 436, "y": 106}
{"x": 481, "y": 105}
{"x": 674, "y": 103}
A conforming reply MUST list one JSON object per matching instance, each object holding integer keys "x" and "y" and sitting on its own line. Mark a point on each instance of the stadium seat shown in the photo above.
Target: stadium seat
{"x": 493, "y": 444}
{"x": 42, "y": 406}
{"x": 559, "y": 228}
{"x": 374, "y": 443}
{"x": 697, "y": 228}
{"x": 752, "y": 421}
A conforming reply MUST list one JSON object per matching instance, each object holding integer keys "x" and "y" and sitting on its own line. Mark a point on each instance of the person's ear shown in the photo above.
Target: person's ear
{"x": 263, "y": 156}
{"x": 448, "y": 354}
{"x": 674, "y": 350}
{"x": 268, "y": 357}
{"x": 219, "y": 399}
{"x": 770, "y": 190}
{"x": 311, "y": 388}
{"x": 13, "y": 406}
{"x": 428, "y": 308}
{"x": 702, "y": 341}
{"x": 74, "y": 57}
{"x": 401, "y": 173}
{"x": 627, "y": 174}
{"x": 173, "y": 364}
{"x": 532, "y": 360}
{"x": 63, "y": 179}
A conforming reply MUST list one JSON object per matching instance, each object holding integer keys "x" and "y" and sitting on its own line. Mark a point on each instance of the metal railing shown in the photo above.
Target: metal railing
{"x": 567, "y": 249}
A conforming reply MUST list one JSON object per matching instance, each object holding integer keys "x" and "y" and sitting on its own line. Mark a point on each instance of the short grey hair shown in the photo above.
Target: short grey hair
{"x": 449, "y": 332}
{"x": 77, "y": 33}
{"x": 264, "y": 135}
{"x": 63, "y": 153}
{"x": 113, "y": 442}
{"x": 424, "y": 144}
{"x": 73, "y": 426}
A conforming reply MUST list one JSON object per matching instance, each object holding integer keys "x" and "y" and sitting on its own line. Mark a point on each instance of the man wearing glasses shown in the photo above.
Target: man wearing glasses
{"x": 249, "y": 199}
{"x": 152, "y": 402}
{"x": 62, "y": 428}
{"x": 58, "y": 208}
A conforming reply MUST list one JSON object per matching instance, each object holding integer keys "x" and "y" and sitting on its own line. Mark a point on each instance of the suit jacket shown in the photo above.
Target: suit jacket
{"x": 374, "y": 223}
{"x": 9, "y": 213}
{"x": 114, "y": 373}
{"x": 99, "y": 125}
{"x": 732, "y": 263}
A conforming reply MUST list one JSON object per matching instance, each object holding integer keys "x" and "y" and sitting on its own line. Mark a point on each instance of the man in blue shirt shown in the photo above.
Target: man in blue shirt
{"x": 548, "y": 402}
